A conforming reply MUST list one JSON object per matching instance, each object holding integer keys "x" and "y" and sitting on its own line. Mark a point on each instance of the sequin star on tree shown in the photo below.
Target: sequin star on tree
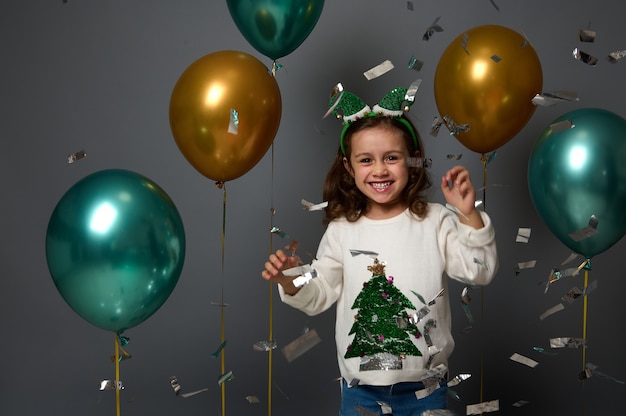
{"x": 382, "y": 324}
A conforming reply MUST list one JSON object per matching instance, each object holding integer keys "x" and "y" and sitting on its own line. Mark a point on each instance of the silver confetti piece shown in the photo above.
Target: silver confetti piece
{"x": 193, "y": 393}
{"x": 438, "y": 295}
{"x": 464, "y": 42}
{"x": 432, "y": 349}
{"x": 453, "y": 127}
{"x": 454, "y": 157}
{"x": 484, "y": 407}
{"x": 378, "y": 70}
{"x": 520, "y": 403}
{"x": 371, "y": 254}
{"x": 557, "y": 308}
{"x": 385, "y": 408}
{"x": 233, "y": 124}
{"x": 584, "y": 57}
{"x": 588, "y": 231}
{"x": 305, "y": 278}
{"x": 301, "y": 345}
{"x": 435, "y": 126}
{"x": 567, "y": 342}
{"x": 586, "y": 35}
{"x": 561, "y": 126}
{"x": 458, "y": 379}
{"x": 590, "y": 288}
{"x": 264, "y": 345}
{"x": 523, "y": 235}
{"x": 548, "y": 99}
{"x": 416, "y": 317}
{"x": 76, "y": 156}
{"x": 438, "y": 412}
{"x": 175, "y": 385}
{"x": 227, "y": 376}
{"x": 430, "y": 31}
{"x": 524, "y": 265}
{"x": 412, "y": 91}
{"x": 523, "y": 360}
{"x": 310, "y": 206}
{"x": 252, "y": 399}
{"x": 615, "y": 56}
{"x": 573, "y": 294}
{"x": 336, "y": 91}
{"x": 111, "y": 385}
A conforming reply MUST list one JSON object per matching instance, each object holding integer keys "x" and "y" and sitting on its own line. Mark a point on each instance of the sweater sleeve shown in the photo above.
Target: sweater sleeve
{"x": 321, "y": 292}
{"x": 470, "y": 254}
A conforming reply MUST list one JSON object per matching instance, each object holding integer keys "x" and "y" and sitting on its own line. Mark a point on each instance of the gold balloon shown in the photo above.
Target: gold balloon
{"x": 487, "y": 78}
{"x": 221, "y": 91}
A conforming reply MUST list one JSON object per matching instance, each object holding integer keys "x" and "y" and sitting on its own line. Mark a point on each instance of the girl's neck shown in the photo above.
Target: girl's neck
{"x": 383, "y": 212}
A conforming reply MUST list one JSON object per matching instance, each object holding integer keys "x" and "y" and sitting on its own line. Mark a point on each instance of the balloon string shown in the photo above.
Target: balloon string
{"x": 585, "y": 305}
{"x": 271, "y": 298}
{"x": 223, "y": 309}
{"x": 482, "y": 293}
{"x": 117, "y": 376}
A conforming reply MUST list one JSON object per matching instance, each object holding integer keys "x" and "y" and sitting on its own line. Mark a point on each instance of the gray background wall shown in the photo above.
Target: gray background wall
{"x": 97, "y": 75}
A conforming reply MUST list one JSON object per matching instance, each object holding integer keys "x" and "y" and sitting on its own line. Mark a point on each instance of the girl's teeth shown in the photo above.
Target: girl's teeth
{"x": 381, "y": 185}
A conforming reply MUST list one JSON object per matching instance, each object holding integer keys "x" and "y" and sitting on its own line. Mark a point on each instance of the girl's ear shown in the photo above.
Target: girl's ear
{"x": 346, "y": 165}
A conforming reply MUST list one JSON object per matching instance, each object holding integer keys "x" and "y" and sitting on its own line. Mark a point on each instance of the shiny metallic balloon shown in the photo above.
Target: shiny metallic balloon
{"x": 115, "y": 247}
{"x": 224, "y": 113}
{"x": 275, "y": 27}
{"x": 486, "y": 78}
{"x": 577, "y": 169}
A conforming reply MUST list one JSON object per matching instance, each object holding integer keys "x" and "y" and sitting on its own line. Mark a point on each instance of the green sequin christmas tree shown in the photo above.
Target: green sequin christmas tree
{"x": 382, "y": 324}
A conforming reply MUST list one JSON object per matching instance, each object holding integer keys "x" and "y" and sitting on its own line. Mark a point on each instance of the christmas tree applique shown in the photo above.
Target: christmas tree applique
{"x": 382, "y": 328}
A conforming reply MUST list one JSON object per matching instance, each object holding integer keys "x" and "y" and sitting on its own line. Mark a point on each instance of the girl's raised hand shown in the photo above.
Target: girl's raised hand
{"x": 459, "y": 192}
{"x": 274, "y": 267}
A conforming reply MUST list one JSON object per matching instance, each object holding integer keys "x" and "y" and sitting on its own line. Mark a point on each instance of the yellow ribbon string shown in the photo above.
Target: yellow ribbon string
{"x": 117, "y": 376}
{"x": 270, "y": 355}
{"x": 223, "y": 308}
{"x": 585, "y": 319}
{"x": 482, "y": 294}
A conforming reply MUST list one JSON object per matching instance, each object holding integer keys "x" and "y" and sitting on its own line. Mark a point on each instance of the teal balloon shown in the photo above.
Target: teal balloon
{"x": 275, "y": 27}
{"x": 577, "y": 172}
{"x": 115, "y": 247}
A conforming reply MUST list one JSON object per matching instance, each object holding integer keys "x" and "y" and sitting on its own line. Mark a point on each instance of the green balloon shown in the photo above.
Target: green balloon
{"x": 115, "y": 247}
{"x": 275, "y": 27}
{"x": 577, "y": 172}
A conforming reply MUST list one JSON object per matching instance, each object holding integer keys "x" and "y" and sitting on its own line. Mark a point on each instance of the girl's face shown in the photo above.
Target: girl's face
{"x": 378, "y": 163}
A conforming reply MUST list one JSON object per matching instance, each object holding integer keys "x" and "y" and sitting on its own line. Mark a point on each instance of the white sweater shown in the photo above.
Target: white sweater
{"x": 418, "y": 254}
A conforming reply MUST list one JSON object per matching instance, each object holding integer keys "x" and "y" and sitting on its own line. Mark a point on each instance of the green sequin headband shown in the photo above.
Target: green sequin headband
{"x": 348, "y": 107}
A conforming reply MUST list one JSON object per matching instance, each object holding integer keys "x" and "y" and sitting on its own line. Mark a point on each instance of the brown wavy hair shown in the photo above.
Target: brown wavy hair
{"x": 343, "y": 196}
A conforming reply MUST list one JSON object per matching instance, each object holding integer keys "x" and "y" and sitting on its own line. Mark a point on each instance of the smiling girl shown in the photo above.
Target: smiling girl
{"x": 377, "y": 207}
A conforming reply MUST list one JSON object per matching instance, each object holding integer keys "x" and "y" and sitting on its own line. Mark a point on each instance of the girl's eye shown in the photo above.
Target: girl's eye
{"x": 365, "y": 160}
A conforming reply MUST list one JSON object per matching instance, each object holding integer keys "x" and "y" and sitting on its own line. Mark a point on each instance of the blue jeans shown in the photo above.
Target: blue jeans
{"x": 366, "y": 400}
